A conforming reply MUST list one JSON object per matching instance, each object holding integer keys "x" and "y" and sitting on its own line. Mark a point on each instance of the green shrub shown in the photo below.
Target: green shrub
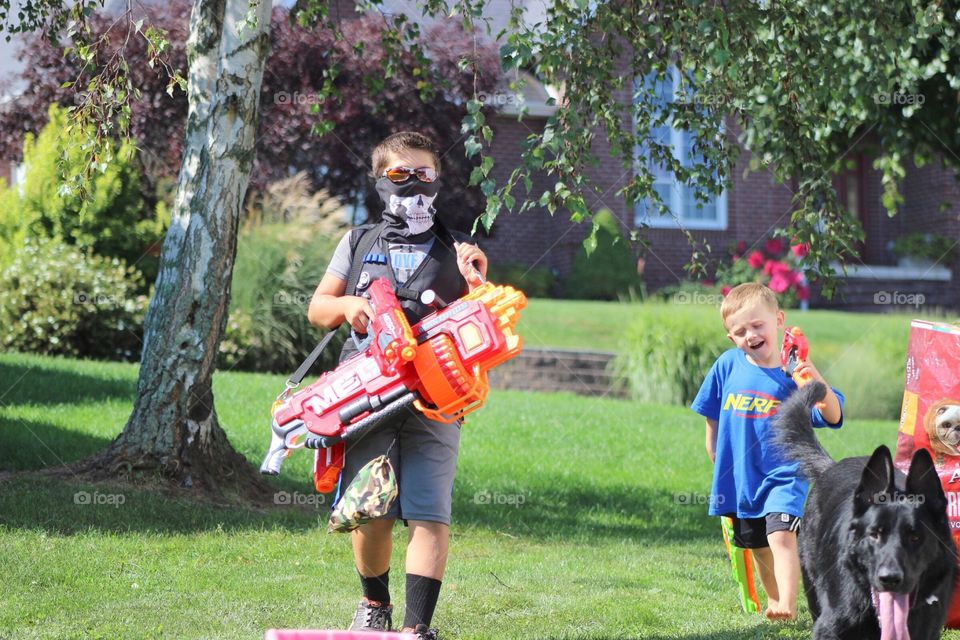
{"x": 535, "y": 282}
{"x": 667, "y": 351}
{"x": 926, "y": 246}
{"x": 610, "y": 271}
{"x": 112, "y": 218}
{"x": 58, "y": 300}
{"x": 277, "y": 270}
{"x": 877, "y": 395}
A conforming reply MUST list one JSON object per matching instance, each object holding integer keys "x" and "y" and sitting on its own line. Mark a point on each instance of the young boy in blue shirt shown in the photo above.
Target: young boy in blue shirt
{"x": 752, "y": 483}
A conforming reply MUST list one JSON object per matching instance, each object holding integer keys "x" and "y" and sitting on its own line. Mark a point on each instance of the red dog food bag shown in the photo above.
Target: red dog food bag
{"x": 930, "y": 416}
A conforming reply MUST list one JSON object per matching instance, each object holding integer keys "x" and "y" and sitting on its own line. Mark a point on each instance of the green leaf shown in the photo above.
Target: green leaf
{"x": 590, "y": 242}
{"x": 486, "y": 164}
{"x": 493, "y": 209}
{"x": 476, "y": 175}
{"x": 472, "y": 146}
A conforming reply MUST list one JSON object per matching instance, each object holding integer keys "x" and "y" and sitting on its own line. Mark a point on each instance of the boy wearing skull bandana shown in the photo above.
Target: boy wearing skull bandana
{"x": 414, "y": 251}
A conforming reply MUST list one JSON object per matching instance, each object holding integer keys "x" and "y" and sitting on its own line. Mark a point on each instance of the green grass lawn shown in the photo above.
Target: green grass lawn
{"x": 567, "y": 524}
{"x": 600, "y": 325}
{"x": 842, "y": 345}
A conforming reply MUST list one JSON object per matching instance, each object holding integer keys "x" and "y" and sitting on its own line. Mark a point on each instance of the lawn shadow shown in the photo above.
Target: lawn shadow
{"x": 29, "y": 445}
{"x": 68, "y": 507}
{"x": 37, "y": 384}
{"x": 567, "y": 513}
{"x": 566, "y": 510}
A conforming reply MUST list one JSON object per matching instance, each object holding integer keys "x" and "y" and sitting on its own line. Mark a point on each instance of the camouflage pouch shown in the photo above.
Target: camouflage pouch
{"x": 368, "y": 496}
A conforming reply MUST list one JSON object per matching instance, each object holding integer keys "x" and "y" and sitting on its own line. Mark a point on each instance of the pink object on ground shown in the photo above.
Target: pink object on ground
{"x": 310, "y": 634}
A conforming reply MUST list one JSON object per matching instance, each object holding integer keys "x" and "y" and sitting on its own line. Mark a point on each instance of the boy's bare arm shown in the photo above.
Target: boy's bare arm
{"x": 712, "y": 439}
{"x": 329, "y": 307}
{"x": 831, "y": 411}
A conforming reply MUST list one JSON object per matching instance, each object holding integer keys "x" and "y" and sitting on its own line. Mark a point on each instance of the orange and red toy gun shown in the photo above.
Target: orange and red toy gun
{"x": 438, "y": 365}
{"x": 796, "y": 350}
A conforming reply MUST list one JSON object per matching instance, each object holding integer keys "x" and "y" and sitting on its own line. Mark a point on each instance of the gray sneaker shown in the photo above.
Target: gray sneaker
{"x": 371, "y": 616}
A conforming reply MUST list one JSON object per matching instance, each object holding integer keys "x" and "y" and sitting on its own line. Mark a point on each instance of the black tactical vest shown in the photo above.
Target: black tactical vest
{"x": 438, "y": 271}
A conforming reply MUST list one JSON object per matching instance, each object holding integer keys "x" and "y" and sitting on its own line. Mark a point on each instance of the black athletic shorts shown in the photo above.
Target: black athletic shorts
{"x": 751, "y": 533}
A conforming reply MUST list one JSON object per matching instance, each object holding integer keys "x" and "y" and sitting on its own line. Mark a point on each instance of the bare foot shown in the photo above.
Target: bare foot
{"x": 778, "y": 614}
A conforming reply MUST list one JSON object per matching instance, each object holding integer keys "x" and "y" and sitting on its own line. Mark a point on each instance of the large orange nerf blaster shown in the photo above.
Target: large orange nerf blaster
{"x": 438, "y": 365}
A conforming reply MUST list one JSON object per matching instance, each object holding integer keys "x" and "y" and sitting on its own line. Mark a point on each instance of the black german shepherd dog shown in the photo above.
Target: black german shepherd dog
{"x": 876, "y": 553}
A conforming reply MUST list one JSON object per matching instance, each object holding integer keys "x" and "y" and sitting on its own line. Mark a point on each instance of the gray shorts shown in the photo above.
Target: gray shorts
{"x": 424, "y": 458}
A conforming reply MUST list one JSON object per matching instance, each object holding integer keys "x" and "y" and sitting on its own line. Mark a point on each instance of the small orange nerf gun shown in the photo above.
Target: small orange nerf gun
{"x": 795, "y": 351}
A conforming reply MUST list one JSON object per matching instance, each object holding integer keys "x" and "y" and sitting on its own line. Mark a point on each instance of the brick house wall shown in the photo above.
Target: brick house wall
{"x": 925, "y": 189}
{"x": 756, "y": 204}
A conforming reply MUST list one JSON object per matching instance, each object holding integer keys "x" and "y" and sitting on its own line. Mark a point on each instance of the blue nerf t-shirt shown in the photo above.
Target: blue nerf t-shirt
{"x": 750, "y": 476}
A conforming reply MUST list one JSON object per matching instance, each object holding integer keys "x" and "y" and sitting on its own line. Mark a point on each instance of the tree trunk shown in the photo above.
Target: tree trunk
{"x": 174, "y": 427}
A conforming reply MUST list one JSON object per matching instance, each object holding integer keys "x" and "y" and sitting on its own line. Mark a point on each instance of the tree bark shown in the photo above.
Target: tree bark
{"x": 174, "y": 427}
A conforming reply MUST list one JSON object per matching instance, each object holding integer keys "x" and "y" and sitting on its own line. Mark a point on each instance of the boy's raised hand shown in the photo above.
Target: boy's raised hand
{"x": 806, "y": 368}
{"x": 472, "y": 262}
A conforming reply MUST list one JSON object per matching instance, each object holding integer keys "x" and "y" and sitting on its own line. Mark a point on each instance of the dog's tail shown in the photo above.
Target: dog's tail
{"x": 793, "y": 430}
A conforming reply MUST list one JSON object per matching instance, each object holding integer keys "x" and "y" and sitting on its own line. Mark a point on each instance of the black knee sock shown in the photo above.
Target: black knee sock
{"x": 377, "y": 588}
{"x": 422, "y": 596}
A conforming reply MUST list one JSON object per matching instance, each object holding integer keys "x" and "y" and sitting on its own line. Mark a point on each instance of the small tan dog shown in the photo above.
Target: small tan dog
{"x": 942, "y": 424}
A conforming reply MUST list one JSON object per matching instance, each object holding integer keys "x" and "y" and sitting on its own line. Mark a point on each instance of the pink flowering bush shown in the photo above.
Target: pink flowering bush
{"x": 772, "y": 262}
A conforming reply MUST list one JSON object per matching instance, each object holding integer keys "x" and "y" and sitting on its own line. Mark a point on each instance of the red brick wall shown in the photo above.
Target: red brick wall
{"x": 924, "y": 190}
{"x": 534, "y": 238}
{"x": 756, "y": 205}
{"x": 879, "y": 228}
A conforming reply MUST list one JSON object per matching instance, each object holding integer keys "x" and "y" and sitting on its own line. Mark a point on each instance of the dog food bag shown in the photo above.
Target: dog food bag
{"x": 930, "y": 416}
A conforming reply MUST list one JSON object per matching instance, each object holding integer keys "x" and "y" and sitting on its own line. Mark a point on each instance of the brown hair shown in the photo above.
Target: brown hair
{"x": 399, "y": 142}
{"x": 746, "y": 294}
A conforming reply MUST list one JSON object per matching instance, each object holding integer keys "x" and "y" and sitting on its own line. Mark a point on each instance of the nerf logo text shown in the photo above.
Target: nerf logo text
{"x": 751, "y": 404}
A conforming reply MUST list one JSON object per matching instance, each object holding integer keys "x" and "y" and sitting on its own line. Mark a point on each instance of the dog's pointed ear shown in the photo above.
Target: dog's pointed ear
{"x": 876, "y": 480}
{"x": 924, "y": 481}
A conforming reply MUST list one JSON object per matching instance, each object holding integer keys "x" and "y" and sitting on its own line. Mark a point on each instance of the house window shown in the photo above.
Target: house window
{"x": 679, "y": 198}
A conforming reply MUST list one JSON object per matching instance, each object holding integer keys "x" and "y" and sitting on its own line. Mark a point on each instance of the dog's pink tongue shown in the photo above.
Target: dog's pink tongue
{"x": 894, "y": 608}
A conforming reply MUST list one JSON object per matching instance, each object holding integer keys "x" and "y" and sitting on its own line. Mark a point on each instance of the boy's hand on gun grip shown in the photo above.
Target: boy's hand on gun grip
{"x": 357, "y": 311}
{"x": 472, "y": 262}
{"x": 806, "y": 369}
{"x": 829, "y": 407}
